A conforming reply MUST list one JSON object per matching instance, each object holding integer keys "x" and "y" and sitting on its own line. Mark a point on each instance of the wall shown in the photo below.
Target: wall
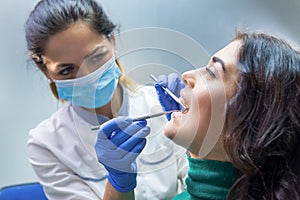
{"x": 25, "y": 99}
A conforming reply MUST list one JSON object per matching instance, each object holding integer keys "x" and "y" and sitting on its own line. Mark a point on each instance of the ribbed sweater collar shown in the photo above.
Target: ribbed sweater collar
{"x": 210, "y": 179}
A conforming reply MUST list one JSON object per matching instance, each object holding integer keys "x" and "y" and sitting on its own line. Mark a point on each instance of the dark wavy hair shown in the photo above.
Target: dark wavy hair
{"x": 262, "y": 137}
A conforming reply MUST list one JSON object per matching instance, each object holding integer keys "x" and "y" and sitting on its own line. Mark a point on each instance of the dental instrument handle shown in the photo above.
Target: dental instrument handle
{"x": 151, "y": 116}
{"x": 93, "y": 128}
{"x": 170, "y": 93}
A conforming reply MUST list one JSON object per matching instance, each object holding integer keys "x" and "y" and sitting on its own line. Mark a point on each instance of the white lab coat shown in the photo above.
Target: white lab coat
{"x": 61, "y": 151}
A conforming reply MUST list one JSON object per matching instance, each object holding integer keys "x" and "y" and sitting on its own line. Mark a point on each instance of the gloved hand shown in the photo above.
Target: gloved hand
{"x": 174, "y": 84}
{"x": 119, "y": 142}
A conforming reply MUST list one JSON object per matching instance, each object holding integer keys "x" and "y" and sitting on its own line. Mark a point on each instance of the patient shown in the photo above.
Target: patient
{"x": 243, "y": 125}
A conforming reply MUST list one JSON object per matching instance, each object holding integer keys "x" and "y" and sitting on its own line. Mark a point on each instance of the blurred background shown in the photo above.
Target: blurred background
{"x": 25, "y": 97}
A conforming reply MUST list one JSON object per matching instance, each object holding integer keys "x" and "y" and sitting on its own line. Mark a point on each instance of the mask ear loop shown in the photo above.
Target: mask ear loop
{"x": 54, "y": 92}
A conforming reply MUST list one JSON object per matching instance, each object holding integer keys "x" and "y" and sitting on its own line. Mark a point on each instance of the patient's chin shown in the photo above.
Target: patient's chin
{"x": 170, "y": 130}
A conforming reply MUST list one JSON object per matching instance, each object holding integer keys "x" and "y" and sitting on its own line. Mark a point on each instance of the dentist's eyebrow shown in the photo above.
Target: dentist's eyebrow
{"x": 94, "y": 51}
{"x": 216, "y": 59}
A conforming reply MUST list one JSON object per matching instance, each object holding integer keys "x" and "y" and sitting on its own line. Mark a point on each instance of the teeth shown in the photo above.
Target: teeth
{"x": 185, "y": 109}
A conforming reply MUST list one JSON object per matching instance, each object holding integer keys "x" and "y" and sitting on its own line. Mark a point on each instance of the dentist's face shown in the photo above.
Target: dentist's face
{"x": 206, "y": 92}
{"x": 75, "y": 52}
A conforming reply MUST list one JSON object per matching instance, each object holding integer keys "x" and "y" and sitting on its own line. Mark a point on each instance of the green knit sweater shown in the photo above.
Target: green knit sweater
{"x": 208, "y": 180}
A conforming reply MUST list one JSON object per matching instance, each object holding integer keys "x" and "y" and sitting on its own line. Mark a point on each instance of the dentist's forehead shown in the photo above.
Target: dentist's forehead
{"x": 77, "y": 41}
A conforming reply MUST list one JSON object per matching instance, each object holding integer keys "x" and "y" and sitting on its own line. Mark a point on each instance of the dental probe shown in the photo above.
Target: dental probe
{"x": 93, "y": 128}
{"x": 184, "y": 108}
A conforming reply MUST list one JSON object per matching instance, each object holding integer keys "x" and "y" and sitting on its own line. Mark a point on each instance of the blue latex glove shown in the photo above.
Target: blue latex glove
{"x": 119, "y": 142}
{"x": 172, "y": 82}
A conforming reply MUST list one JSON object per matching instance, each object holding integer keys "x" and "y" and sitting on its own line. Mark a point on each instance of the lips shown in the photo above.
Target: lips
{"x": 176, "y": 114}
{"x": 184, "y": 103}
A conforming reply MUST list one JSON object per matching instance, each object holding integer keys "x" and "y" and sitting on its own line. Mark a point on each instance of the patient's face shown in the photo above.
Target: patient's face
{"x": 206, "y": 92}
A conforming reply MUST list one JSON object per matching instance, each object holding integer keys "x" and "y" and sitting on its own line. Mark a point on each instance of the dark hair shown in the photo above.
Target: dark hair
{"x": 50, "y": 17}
{"x": 262, "y": 137}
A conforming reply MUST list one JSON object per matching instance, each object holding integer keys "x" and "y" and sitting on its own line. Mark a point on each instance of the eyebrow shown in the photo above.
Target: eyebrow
{"x": 92, "y": 52}
{"x": 88, "y": 55}
{"x": 216, "y": 59}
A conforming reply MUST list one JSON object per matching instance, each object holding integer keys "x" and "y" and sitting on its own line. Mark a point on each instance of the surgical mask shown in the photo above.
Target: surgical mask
{"x": 93, "y": 90}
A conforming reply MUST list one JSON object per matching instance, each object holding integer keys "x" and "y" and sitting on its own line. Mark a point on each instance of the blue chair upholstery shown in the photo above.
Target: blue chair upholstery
{"x": 27, "y": 191}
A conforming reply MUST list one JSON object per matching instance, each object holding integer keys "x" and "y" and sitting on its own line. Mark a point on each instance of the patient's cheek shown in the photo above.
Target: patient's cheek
{"x": 171, "y": 129}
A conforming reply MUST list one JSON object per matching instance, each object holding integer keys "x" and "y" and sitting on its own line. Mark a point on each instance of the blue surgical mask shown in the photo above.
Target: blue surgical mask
{"x": 93, "y": 90}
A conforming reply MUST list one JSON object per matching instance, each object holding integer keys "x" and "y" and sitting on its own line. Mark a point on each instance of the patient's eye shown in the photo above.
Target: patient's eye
{"x": 210, "y": 72}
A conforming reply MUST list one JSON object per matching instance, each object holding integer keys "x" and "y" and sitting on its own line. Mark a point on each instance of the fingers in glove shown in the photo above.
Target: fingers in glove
{"x": 159, "y": 90}
{"x": 165, "y": 99}
{"x": 115, "y": 124}
{"x": 163, "y": 80}
{"x": 123, "y": 135}
{"x": 133, "y": 143}
{"x": 135, "y": 151}
{"x": 130, "y": 149}
{"x": 125, "y": 157}
{"x": 173, "y": 83}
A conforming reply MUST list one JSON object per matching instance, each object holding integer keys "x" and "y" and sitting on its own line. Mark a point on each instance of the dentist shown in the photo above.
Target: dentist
{"x": 72, "y": 42}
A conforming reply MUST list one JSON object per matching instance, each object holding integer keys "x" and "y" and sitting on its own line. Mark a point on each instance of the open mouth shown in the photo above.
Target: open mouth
{"x": 185, "y": 108}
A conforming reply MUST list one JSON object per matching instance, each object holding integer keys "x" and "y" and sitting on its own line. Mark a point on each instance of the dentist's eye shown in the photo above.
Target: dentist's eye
{"x": 66, "y": 71}
{"x": 97, "y": 58}
{"x": 210, "y": 72}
